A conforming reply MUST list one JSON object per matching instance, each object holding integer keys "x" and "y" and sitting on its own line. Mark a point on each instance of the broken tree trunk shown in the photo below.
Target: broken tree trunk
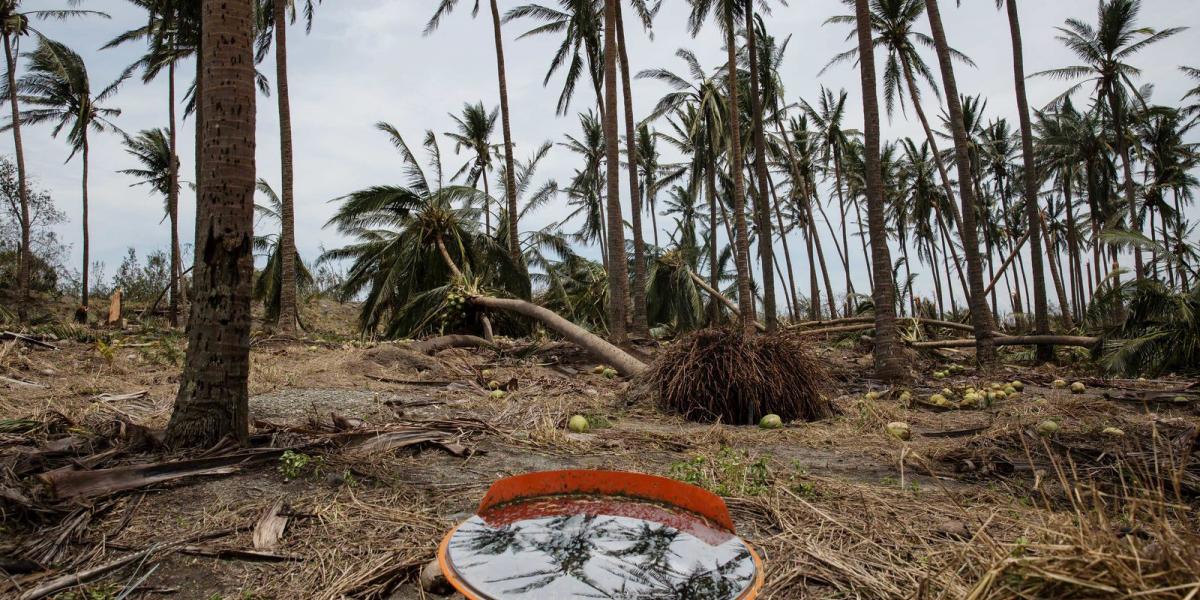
{"x": 721, "y": 298}
{"x": 1008, "y": 261}
{"x": 445, "y": 342}
{"x": 608, "y": 353}
{"x": 159, "y": 297}
{"x": 1015, "y": 340}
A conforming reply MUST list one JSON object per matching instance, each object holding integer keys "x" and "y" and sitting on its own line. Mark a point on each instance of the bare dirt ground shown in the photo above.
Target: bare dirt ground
{"x": 977, "y": 504}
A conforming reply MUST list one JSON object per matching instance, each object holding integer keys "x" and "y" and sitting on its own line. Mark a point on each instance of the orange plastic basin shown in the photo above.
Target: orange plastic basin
{"x": 583, "y": 533}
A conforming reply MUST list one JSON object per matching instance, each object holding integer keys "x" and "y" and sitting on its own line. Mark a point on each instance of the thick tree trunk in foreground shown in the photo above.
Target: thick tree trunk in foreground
{"x": 641, "y": 325}
{"x": 889, "y": 364}
{"x": 510, "y": 181}
{"x": 741, "y": 242}
{"x": 618, "y": 268}
{"x": 26, "y": 254}
{"x": 981, "y": 316}
{"x": 213, "y": 397}
{"x": 606, "y": 352}
{"x": 1041, "y": 311}
{"x": 287, "y": 235}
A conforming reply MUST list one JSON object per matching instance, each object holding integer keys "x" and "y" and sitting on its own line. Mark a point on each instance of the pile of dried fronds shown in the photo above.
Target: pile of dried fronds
{"x": 718, "y": 374}
{"x": 1137, "y": 540}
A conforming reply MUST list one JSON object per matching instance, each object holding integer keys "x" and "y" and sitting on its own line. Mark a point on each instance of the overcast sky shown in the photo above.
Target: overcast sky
{"x": 366, "y": 61}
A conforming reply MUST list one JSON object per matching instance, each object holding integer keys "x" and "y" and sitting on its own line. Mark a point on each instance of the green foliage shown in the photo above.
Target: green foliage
{"x": 294, "y": 465}
{"x": 727, "y": 473}
{"x": 1147, "y": 328}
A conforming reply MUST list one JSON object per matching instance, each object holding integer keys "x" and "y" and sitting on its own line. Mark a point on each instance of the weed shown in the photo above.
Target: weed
{"x": 293, "y": 465}
{"x": 728, "y": 473}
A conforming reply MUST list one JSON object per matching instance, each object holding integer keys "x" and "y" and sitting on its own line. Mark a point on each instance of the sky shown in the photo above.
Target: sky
{"x": 367, "y": 61}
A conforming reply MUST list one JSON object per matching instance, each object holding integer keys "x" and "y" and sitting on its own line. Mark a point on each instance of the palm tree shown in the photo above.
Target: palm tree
{"x": 274, "y": 16}
{"x": 618, "y": 275}
{"x": 580, "y": 23}
{"x": 833, "y": 140}
{"x": 445, "y": 7}
{"x": 213, "y": 399}
{"x": 56, "y": 90}
{"x": 587, "y": 187}
{"x": 158, "y": 169}
{"x": 727, "y": 14}
{"x": 766, "y": 240}
{"x": 1104, "y": 51}
{"x": 1194, "y": 93}
{"x": 170, "y": 40}
{"x": 981, "y": 317}
{"x": 1030, "y": 182}
{"x": 268, "y": 285}
{"x": 474, "y": 132}
{"x": 698, "y": 116}
{"x": 889, "y": 364}
{"x": 14, "y": 25}
{"x": 400, "y": 233}
{"x": 649, "y": 170}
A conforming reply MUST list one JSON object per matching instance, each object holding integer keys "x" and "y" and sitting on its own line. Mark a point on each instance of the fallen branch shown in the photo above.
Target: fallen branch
{"x": 100, "y": 482}
{"x": 430, "y": 382}
{"x": 159, "y": 297}
{"x": 721, "y": 298}
{"x": 1007, "y": 261}
{"x": 8, "y": 335}
{"x": 1015, "y": 340}
{"x": 65, "y": 581}
{"x": 610, "y": 354}
{"x": 18, "y": 382}
{"x": 445, "y": 342}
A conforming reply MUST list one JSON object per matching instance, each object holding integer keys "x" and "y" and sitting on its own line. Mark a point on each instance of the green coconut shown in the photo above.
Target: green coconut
{"x": 497, "y": 394}
{"x": 771, "y": 421}
{"x": 1018, "y": 385}
{"x": 487, "y": 373}
{"x": 899, "y": 430}
{"x": 599, "y": 370}
{"x": 872, "y": 396}
{"x": 1048, "y": 427}
{"x": 1010, "y": 390}
{"x": 577, "y": 424}
{"x": 1059, "y": 384}
{"x": 610, "y": 373}
{"x": 939, "y": 374}
{"x": 493, "y": 385}
{"x": 1112, "y": 432}
{"x": 939, "y": 400}
{"x": 1078, "y": 387}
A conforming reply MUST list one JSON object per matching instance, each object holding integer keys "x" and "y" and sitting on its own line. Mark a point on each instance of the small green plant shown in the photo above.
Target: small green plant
{"x": 293, "y": 464}
{"x": 727, "y": 473}
{"x": 106, "y": 350}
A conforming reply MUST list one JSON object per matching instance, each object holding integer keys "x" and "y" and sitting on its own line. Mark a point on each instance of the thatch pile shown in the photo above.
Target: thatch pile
{"x": 721, "y": 375}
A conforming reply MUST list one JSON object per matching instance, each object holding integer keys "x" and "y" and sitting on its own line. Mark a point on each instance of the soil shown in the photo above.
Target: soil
{"x": 824, "y": 501}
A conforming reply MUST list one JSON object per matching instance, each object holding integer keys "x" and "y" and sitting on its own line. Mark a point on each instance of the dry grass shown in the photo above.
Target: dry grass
{"x": 720, "y": 375}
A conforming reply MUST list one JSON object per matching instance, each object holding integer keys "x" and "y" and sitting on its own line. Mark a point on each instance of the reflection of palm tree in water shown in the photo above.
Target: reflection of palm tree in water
{"x": 481, "y": 539}
{"x": 614, "y": 558}
{"x": 568, "y": 543}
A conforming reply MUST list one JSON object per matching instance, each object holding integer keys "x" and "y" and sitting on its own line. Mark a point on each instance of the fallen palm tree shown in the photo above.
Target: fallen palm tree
{"x": 1015, "y": 340}
{"x": 717, "y": 295}
{"x": 722, "y": 375}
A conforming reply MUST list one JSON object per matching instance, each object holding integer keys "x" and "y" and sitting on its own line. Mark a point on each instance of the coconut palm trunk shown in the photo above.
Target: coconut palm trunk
{"x": 1118, "y": 111}
{"x": 84, "y": 292}
{"x": 618, "y": 273}
{"x": 640, "y": 321}
{"x": 762, "y": 198}
{"x": 742, "y": 235}
{"x": 288, "y": 313}
{"x": 26, "y": 255}
{"x": 981, "y": 317}
{"x": 714, "y": 276}
{"x": 212, "y": 402}
{"x": 510, "y": 181}
{"x": 173, "y": 202}
{"x": 889, "y": 364}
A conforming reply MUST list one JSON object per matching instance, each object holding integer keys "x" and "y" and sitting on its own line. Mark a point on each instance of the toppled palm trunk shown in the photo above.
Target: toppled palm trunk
{"x": 717, "y": 295}
{"x": 1016, "y": 340}
{"x": 446, "y": 342}
{"x": 606, "y": 352}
